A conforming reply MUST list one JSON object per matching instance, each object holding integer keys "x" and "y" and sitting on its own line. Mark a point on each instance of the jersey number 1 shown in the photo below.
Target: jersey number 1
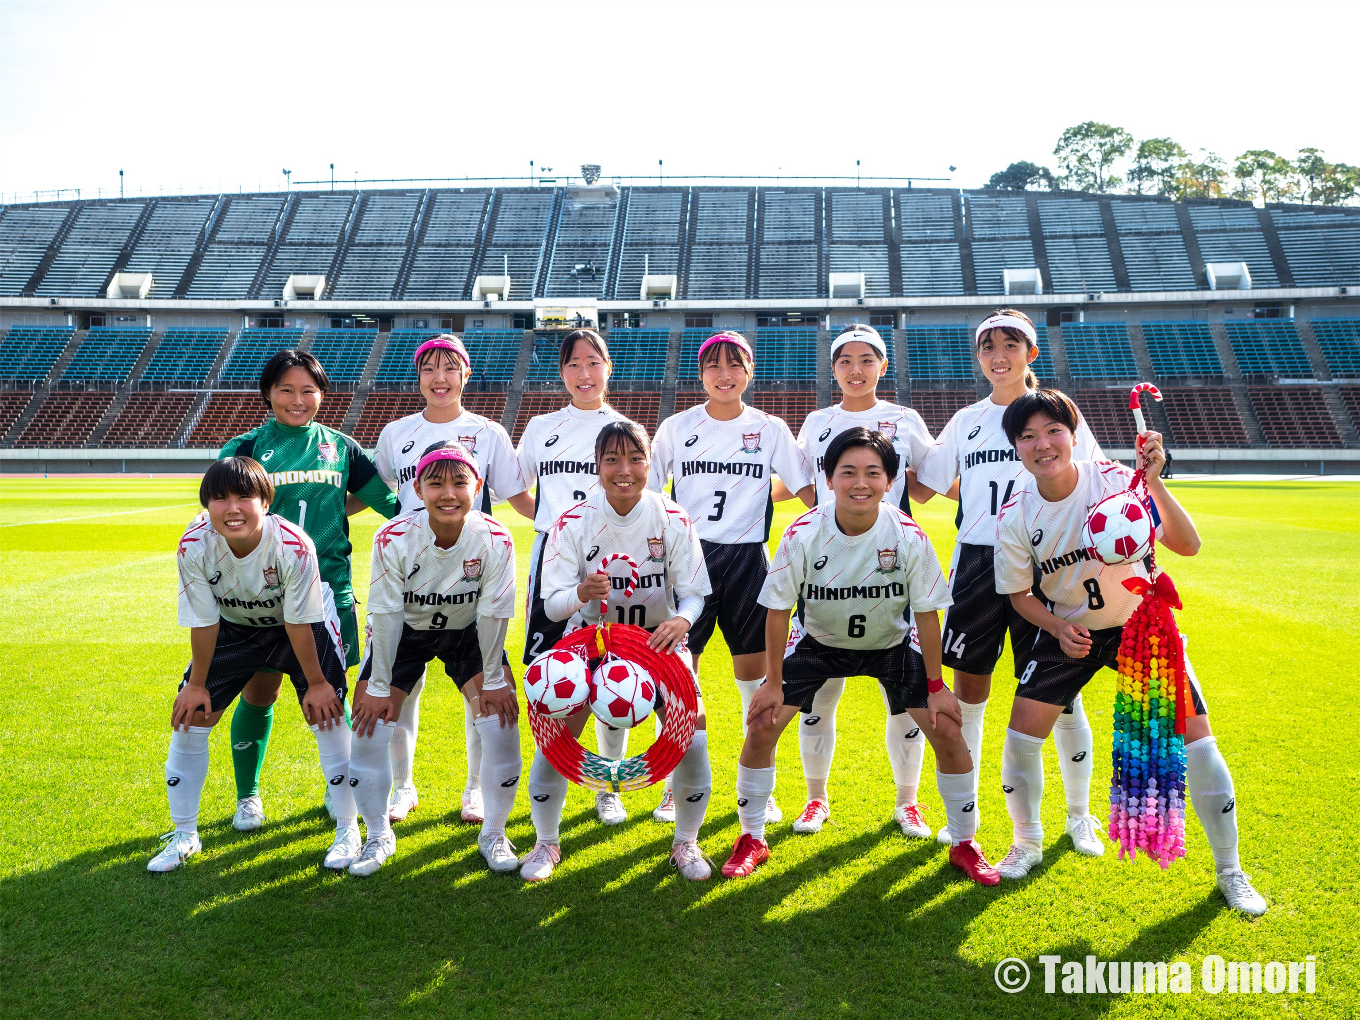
{"x": 302, "y": 514}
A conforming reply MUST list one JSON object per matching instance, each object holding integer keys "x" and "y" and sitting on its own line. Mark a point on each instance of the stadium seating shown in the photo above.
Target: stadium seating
{"x": 789, "y": 259}
{"x": 148, "y": 419}
{"x": 1294, "y": 416}
{"x": 940, "y": 352}
{"x": 25, "y": 235}
{"x": 381, "y": 408}
{"x": 858, "y": 242}
{"x": 1202, "y": 417}
{"x": 343, "y": 353}
{"x": 28, "y": 353}
{"x": 517, "y": 238}
{"x": 231, "y": 262}
{"x": 1340, "y": 343}
{"x": 991, "y": 258}
{"x": 106, "y": 355}
{"x": 642, "y": 406}
{"x": 184, "y": 357}
{"x": 785, "y": 353}
{"x": 66, "y": 419}
{"x": 374, "y": 259}
{"x": 1098, "y": 350}
{"x": 719, "y": 257}
{"x": 936, "y": 407}
{"x": 253, "y": 348}
{"x": 12, "y": 404}
{"x": 1269, "y": 347}
{"x": 397, "y": 368}
{"x": 1043, "y": 363}
{"x": 1350, "y": 398}
{"x": 226, "y": 415}
{"x": 1107, "y": 415}
{"x": 443, "y": 262}
{"x": 791, "y": 405}
{"x": 1321, "y": 243}
{"x": 169, "y": 241}
{"x": 334, "y": 408}
{"x": 495, "y": 352}
{"x": 533, "y": 403}
{"x": 639, "y": 354}
{"x": 543, "y": 359}
{"x": 585, "y": 232}
{"x": 1182, "y": 350}
{"x": 651, "y": 240}
{"x": 87, "y": 256}
{"x": 1150, "y": 239}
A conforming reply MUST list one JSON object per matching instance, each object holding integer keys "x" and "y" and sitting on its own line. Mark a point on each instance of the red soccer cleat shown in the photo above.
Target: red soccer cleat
{"x": 967, "y": 857}
{"x": 747, "y": 855}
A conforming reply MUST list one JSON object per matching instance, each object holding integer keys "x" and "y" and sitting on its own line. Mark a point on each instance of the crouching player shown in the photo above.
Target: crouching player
{"x": 624, "y": 516}
{"x": 251, "y": 592}
{"x": 855, "y": 567}
{"x": 1041, "y": 527}
{"x": 442, "y": 585}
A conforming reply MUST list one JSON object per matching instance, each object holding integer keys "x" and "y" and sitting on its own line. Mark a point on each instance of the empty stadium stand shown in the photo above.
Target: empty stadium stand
{"x": 28, "y": 353}
{"x": 1269, "y": 347}
{"x": 936, "y": 407}
{"x": 1181, "y": 350}
{"x": 1099, "y": 350}
{"x": 638, "y": 354}
{"x": 1294, "y": 416}
{"x": 66, "y": 419}
{"x": 1107, "y": 415}
{"x": 343, "y": 353}
{"x": 785, "y": 354}
{"x": 940, "y": 353}
{"x": 149, "y": 419}
{"x": 1203, "y": 417}
{"x": 1350, "y": 399}
{"x": 184, "y": 357}
{"x": 1339, "y": 340}
{"x": 12, "y": 404}
{"x": 639, "y": 405}
{"x": 791, "y": 405}
{"x": 106, "y": 356}
{"x": 253, "y": 348}
{"x": 227, "y": 414}
{"x": 381, "y": 408}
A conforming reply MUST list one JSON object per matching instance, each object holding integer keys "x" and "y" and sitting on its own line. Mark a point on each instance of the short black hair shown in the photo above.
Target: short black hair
{"x": 1054, "y": 403}
{"x": 870, "y": 439}
{"x": 291, "y": 357}
{"x": 624, "y": 436}
{"x": 235, "y": 476}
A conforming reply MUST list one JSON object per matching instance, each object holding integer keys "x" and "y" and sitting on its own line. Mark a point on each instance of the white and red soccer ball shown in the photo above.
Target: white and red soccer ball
{"x": 1118, "y": 529}
{"x": 557, "y": 683}
{"x": 622, "y": 693}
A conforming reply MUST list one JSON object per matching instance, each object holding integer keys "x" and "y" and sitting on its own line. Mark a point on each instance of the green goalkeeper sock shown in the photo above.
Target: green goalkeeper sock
{"x": 250, "y": 726}
{"x": 348, "y": 721}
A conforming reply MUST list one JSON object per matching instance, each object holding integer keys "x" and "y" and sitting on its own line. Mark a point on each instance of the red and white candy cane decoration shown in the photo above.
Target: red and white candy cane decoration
{"x": 1136, "y": 408}
{"x": 629, "y": 588}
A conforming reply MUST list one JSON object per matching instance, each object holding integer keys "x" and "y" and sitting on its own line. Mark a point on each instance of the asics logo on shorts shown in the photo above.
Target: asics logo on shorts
{"x": 692, "y": 440}
{"x": 1229, "y": 806}
{"x": 408, "y": 446}
{"x": 823, "y": 436}
{"x": 353, "y": 782}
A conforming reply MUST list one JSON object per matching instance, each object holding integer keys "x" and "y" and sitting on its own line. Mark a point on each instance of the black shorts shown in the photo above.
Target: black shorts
{"x": 974, "y": 627}
{"x": 540, "y": 632}
{"x": 243, "y": 651}
{"x": 900, "y": 670}
{"x": 1054, "y": 678}
{"x": 459, "y": 650}
{"x": 737, "y": 573}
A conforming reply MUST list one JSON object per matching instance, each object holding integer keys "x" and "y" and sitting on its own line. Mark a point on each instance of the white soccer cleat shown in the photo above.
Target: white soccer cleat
{"x": 815, "y": 812}
{"x": 345, "y": 848}
{"x": 945, "y": 836}
{"x": 249, "y": 814}
{"x": 177, "y": 847}
{"x": 610, "y": 808}
{"x": 498, "y": 852}
{"x": 773, "y": 812}
{"x": 909, "y": 820}
{"x": 540, "y": 862}
{"x": 326, "y": 801}
{"x": 401, "y": 803}
{"x": 691, "y": 862}
{"x": 474, "y": 811}
{"x": 1085, "y": 833}
{"x": 374, "y": 855}
{"x": 1018, "y": 862}
{"x": 665, "y": 811}
{"x": 1237, "y": 890}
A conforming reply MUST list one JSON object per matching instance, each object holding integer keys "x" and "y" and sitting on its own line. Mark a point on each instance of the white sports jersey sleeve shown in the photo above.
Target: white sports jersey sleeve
{"x": 557, "y": 453}
{"x": 277, "y": 582}
{"x": 902, "y": 425}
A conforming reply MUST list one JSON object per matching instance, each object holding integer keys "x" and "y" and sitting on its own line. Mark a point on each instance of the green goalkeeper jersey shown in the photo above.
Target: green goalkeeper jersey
{"x": 312, "y": 469}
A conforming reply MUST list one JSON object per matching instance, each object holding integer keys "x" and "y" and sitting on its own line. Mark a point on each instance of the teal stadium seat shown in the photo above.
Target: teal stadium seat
{"x": 106, "y": 355}
{"x": 28, "y": 353}
{"x": 343, "y": 353}
{"x": 1269, "y": 347}
{"x": 1099, "y": 350}
{"x": 253, "y": 348}
{"x": 1181, "y": 350}
{"x": 184, "y": 357}
{"x": 1340, "y": 343}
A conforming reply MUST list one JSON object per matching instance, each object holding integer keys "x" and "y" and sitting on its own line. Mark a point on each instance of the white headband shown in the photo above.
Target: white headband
{"x": 1000, "y": 321}
{"x": 865, "y": 336}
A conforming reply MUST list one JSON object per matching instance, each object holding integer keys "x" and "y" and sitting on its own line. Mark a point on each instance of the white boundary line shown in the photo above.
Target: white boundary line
{"x": 88, "y": 517}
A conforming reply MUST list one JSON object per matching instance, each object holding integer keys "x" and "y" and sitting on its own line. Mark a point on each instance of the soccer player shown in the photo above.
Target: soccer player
{"x": 442, "y": 368}
{"x": 859, "y": 360}
{"x": 250, "y": 591}
{"x": 1080, "y": 607}
{"x": 721, "y": 457}
{"x": 320, "y": 476}
{"x": 853, "y": 568}
{"x": 973, "y": 462}
{"x": 624, "y": 516}
{"x": 443, "y": 585}
{"x": 557, "y": 455}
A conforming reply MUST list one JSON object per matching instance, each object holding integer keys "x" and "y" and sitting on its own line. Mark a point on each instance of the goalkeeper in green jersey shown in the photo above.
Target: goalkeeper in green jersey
{"x": 320, "y": 477}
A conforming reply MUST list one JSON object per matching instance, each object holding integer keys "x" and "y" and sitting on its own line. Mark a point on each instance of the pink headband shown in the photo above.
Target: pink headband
{"x": 456, "y": 453}
{"x": 444, "y": 342}
{"x": 726, "y": 338}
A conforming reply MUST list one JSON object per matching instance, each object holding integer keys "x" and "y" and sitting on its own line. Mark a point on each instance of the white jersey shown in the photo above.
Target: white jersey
{"x": 974, "y": 449}
{"x": 558, "y": 452}
{"x": 442, "y": 589}
{"x": 660, "y": 538}
{"x": 722, "y": 470}
{"x": 910, "y": 438}
{"x": 404, "y": 441}
{"x": 1034, "y": 531}
{"x": 278, "y": 583}
{"x": 855, "y": 591}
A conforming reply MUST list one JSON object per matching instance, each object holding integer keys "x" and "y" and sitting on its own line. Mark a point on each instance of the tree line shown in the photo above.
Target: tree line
{"x": 1103, "y": 158}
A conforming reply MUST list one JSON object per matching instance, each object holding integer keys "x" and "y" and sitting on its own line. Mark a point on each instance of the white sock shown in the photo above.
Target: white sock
{"x": 958, "y": 791}
{"x": 332, "y": 747}
{"x": 754, "y": 787}
{"x": 1022, "y": 777}
{"x": 1210, "y": 786}
{"x": 747, "y": 689}
{"x": 906, "y": 747}
{"x": 370, "y": 776}
{"x": 547, "y": 794}
{"x": 1074, "y": 743}
{"x": 186, "y": 770}
{"x": 669, "y": 785}
{"x": 612, "y": 742}
{"x": 817, "y": 738}
{"x": 693, "y": 788}
{"x": 473, "y": 738}
{"x": 972, "y": 736}
{"x": 503, "y": 767}
{"x": 404, "y": 739}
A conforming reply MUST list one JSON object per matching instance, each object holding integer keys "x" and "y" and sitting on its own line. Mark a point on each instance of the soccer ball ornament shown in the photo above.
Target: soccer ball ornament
{"x": 557, "y": 684}
{"x": 1118, "y": 529}
{"x": 622, "y": 693}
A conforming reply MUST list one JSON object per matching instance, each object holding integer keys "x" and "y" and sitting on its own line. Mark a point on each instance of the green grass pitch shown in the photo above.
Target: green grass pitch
{"x": 857, "y": 921}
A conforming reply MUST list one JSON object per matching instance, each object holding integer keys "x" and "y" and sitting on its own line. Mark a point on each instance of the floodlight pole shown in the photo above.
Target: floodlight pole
{"x": 857, "y": 173}
{"x": 288, "y": 178}
{"x": 660, "y": 173}
{"x": 332, "y": 176}
{"x": 120, "y": 185}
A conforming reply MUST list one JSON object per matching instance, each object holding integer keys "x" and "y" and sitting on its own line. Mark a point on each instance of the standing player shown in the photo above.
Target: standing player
{"x": 250, "y": 590}
{"x": 721, "y": 457}
{"x": 443, "y": 585}
{"x": 1080, "y": 607}
{"x": 854, "y": 567}
{"x": 442, "y": 369}
{"x": 320, "y": 477}
{"x": 973, "y": 453}
{"x": 859, "y": 359}
{"x": 557, "y": 453}
{"x": 624, "y": 516}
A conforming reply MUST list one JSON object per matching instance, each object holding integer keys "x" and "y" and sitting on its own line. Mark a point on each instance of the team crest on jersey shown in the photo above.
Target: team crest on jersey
{"x": 750, "y": 442}
{"x": 271, "y": 577}
{"x": 656, "y": 549}
{"x": 470, "y": 442}
{"x": 328, "y": 453}
{"x": 887, "y": 560}
{"x": 472, "y": 570}
{"x": 889, "y": 429}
